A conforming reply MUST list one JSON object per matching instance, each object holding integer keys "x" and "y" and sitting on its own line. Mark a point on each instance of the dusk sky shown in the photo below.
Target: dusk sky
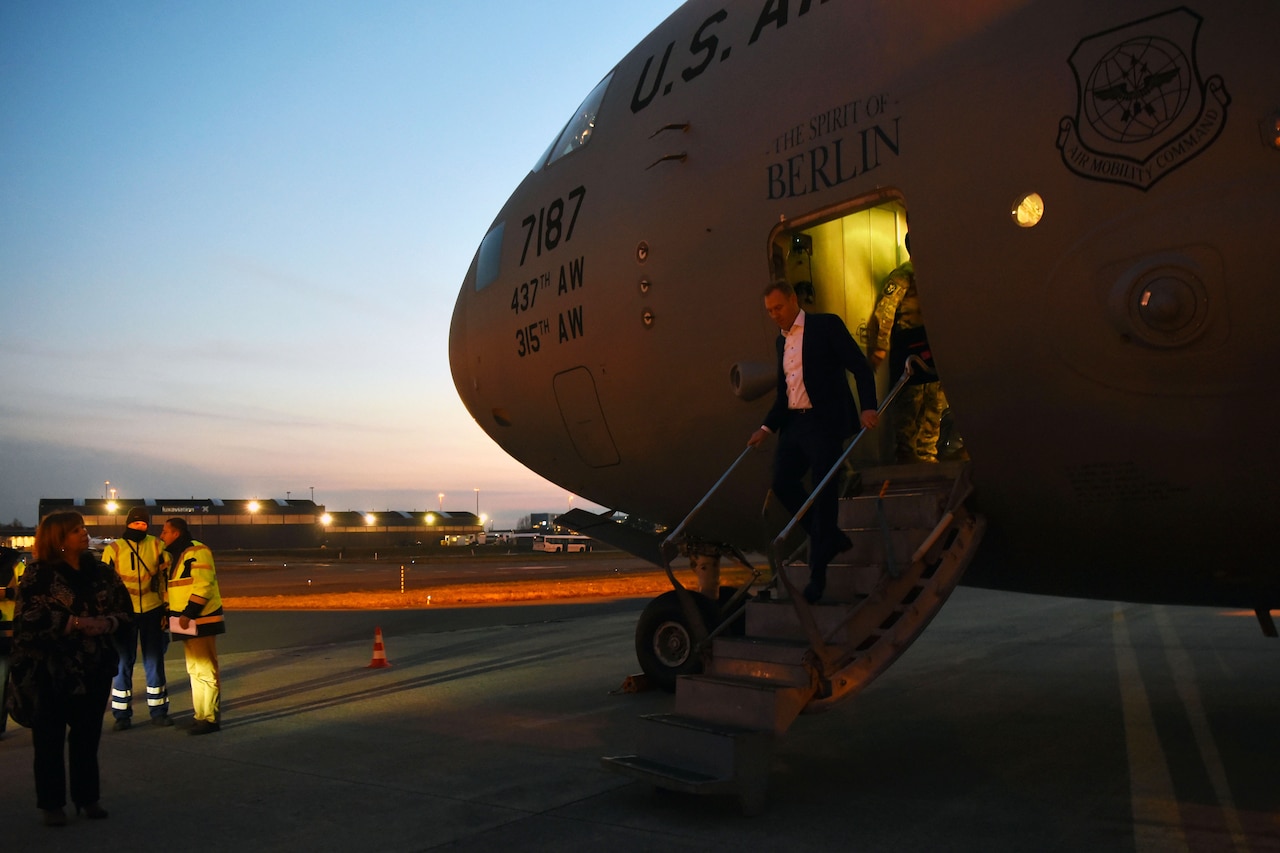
{"x": 232, "y": 233}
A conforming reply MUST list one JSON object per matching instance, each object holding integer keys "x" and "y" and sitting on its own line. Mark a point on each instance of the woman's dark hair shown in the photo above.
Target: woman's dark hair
{"x": 52, "y": 532}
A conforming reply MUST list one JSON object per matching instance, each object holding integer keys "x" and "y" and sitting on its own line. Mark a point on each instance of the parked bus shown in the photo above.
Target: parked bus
{"x": 556, "y": 544}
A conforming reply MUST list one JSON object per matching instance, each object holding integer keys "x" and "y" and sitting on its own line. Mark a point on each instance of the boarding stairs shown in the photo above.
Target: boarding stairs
{"x": 912, "y": 539}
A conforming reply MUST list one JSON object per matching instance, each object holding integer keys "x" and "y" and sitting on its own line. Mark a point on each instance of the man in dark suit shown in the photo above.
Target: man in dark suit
{"x": 814, "y": 414}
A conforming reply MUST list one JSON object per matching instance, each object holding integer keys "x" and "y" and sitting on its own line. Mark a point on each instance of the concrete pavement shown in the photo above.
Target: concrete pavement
{"x": 1014, "y": 723}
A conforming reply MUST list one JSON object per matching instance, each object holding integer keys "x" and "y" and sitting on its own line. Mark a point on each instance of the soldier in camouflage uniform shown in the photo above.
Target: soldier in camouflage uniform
{"x": 897, "y": 328}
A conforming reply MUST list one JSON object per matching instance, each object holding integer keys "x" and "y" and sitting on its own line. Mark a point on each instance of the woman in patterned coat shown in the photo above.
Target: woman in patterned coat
{"x": 69, "y": 605}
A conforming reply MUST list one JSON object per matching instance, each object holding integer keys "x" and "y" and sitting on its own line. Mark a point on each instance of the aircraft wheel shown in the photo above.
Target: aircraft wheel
{"x": 664, "y": 640}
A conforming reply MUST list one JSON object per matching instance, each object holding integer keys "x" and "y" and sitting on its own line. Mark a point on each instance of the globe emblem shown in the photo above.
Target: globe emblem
{"x": 1137, "y": 90}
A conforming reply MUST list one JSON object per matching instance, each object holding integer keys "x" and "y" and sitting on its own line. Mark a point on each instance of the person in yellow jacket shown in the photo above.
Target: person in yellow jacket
{"x": 11, "y": 567}
{"x": 136, "y": 557}
{"x": 195, "y": 617}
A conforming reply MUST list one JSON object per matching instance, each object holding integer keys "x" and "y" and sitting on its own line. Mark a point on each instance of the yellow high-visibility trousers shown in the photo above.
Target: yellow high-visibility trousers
{"x": 202, "y": 666}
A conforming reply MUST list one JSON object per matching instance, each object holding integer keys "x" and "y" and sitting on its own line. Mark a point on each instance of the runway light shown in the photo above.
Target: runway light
{"x": 1028, "y": 210}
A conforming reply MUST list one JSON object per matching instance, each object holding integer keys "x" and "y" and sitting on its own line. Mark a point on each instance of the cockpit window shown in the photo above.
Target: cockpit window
{"x": 489, "y": 258}
{"x": 577, "y": 132}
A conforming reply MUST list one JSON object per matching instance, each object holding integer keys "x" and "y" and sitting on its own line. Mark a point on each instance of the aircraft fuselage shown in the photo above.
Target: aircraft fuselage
{"x": 1109, "y": 367}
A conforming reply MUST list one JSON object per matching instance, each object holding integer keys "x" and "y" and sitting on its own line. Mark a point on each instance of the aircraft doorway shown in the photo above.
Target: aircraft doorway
{"x": 843, "y": 261}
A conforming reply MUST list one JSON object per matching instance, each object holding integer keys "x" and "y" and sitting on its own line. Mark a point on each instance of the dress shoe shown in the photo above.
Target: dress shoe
{"x": 93, "y": 811}
{"x": 203, "y": 727}
{"x": 122, "y": 724}
{"x": 162, "y": 721}
{"x": 813, "y": 592}
{"x": 54, "y": 817}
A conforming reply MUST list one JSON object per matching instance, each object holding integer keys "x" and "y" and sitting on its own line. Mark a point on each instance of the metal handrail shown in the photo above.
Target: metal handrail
{"x": 670, "y": 540}
{"x": 668, "y": 548}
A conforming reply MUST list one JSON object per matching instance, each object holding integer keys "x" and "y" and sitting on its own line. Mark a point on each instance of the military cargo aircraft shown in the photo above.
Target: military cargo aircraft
{"x": 1094, "y": 200}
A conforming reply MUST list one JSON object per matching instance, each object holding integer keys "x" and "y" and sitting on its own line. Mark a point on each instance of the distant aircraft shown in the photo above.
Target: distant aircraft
{"x": 1094, "y": 199}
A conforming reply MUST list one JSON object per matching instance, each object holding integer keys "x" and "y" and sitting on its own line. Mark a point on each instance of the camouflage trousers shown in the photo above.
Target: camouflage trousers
{"x": 917, "y": 419}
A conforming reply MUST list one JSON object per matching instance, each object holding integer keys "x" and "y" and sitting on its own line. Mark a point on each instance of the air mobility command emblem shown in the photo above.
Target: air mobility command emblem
{"x": 1142, "y": 109}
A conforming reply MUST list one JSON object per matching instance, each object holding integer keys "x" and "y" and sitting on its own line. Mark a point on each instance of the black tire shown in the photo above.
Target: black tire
{"x": 664, "y": 640}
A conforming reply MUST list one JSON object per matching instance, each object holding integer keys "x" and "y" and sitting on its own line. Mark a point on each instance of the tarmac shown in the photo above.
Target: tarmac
{"x": 1015, "y": 723}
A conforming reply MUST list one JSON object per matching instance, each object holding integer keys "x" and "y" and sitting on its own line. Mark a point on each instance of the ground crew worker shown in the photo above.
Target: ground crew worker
{"x": 195, "y": 617}
{"x": 136, "y": 557}
{"x": 897, "y": 326}
{"x": 11, "y": 567}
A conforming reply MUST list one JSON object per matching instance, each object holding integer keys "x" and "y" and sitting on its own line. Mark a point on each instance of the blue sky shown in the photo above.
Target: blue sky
{"x": 231, "y": 235}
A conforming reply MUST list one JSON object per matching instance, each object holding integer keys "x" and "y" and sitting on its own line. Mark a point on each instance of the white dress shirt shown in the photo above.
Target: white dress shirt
{"x": 793, "y": 367}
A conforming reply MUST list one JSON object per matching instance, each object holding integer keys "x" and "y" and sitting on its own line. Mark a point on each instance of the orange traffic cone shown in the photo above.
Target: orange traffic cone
{"x": 379, "y": 653}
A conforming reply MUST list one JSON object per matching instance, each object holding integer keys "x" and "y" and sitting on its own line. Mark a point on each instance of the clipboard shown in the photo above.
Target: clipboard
{"x": 175, "y": 626}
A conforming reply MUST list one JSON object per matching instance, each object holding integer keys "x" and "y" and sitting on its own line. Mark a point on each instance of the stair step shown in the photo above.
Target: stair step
{"x": 751, "y": 703}
{"x": 778, "y": 661}
{"x": 681, "y": 753}
{"x": 713, "y": 750}
{"x": 905, "y": 509}
{"x": 776, "y": 620}
{"x": 869, "y": 546}
{"x": 845, "y": 583}
{"x": 922, "y": 475}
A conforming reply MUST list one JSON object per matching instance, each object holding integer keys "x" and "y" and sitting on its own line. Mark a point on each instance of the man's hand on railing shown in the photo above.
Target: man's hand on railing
{"x": 758, "y": 437}
{"x": 869, "y": 418}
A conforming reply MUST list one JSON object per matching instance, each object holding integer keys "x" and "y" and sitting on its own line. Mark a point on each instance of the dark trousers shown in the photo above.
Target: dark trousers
{"x": 806, "y": 447}
{"x": 82, "y": 715}
{"x": 149, "y": 628}
{"x": 4, "y": 690}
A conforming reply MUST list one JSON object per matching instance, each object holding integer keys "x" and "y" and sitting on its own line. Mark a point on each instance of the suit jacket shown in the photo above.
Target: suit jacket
{"x": 828, "y": 352}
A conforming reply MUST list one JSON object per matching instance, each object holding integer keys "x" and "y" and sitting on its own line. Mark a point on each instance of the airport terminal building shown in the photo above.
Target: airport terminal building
{"x": 261, "y": 524}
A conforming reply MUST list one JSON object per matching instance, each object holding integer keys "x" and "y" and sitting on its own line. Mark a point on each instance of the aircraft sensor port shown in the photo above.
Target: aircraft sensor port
{"x": 1161, "y": 304}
